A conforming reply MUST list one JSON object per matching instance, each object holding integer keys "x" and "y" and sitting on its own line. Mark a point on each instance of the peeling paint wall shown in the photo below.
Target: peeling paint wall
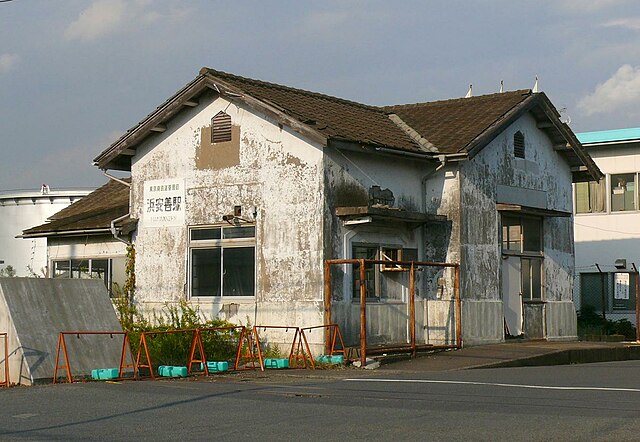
{"x": 276, "y": 172}
{"x": 542, "y": 177}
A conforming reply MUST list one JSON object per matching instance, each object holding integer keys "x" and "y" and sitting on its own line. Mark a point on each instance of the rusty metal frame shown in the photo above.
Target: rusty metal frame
{"x": 294, "y": 356}
{"x": 332, "y": 335}
{"x": 7, "y": 378}
{"x": 144, "y": 346}
{"x": 243, "y": 338}
{"x": 409, "y": 266}
{"x": 67, "y": 367}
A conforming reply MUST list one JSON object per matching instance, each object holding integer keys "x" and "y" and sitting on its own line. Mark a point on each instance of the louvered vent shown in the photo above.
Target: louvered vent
{"x": 221, "y": 128}
{"x": 518, "y": 145}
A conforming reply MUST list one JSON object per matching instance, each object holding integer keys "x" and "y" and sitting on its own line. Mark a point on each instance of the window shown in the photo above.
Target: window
{"x": 590, "y": 197}
{"x": 521, "y": 234}
{"x": 617, "y": 290}
{"x": 109, "y": 270}
{"x": 522, "y": 237}
{"x": 623, "y": 189}
{"x": 221, "y": 127}
{"x": 222, "y": 261}
{"x": 518, "y": 145}
{"x": 374, "y": 274}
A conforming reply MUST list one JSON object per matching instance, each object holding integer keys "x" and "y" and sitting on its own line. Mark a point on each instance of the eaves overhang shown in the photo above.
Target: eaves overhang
{"x": 367, "y": 214}
{"x": 118, "y": 155}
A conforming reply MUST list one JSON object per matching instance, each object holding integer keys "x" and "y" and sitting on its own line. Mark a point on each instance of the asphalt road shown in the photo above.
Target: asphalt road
{"x": 577, "y": 402}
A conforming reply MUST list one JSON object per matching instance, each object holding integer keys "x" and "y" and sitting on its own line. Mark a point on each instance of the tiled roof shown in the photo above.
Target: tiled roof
{"x": 93, "y": 212}
{"x": 451, "y": 125}
{"x": 333, "y": 117}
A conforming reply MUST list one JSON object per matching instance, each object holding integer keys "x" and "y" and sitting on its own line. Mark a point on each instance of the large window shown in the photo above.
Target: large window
{"x": 222, "y": 261}
{"x": 623, "y": 192}
{"x": 591, "y": 196}
{"x": 109, "y": 270}
{"x": 522, "y": 238}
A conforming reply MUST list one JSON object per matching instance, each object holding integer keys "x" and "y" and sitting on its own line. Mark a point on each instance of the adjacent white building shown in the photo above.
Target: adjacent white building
{"x": 20, "y": 210}
{"x": 607, "y": 224}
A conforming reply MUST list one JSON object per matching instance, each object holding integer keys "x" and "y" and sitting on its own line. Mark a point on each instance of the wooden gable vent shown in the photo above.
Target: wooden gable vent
{"x": 221, "y": 127}
{"x": 518, "y": 145}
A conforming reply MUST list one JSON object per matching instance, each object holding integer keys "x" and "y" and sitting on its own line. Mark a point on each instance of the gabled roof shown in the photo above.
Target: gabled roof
{"x": 452, "y": 125}
{"x": 92, "y": 214}
{"x": 457, "y": 128}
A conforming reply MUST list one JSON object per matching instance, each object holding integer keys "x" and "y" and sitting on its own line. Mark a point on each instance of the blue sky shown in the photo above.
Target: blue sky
{"x": 76, "y": 74}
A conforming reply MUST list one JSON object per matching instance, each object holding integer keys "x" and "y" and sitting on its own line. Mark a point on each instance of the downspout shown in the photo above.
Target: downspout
{"x": 114, "y": 230}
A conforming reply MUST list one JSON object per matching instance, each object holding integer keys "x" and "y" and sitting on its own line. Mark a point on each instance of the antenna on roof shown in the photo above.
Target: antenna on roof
{"x": 501, "y": 86}
{"x": 535, "y": 86}
{"x": 469, "y": 92}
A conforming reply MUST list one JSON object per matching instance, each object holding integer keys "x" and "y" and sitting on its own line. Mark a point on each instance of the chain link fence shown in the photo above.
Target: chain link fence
{"x": 605, "y": 298}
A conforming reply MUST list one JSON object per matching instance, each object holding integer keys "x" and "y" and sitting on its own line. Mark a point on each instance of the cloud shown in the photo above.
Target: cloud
{"x": 621, "y": 91}
{"x": 101, "y": 18}
{"x": 625, "y": 23}
{"x": 104, "y": 17}
{"x": 7, "y": 62}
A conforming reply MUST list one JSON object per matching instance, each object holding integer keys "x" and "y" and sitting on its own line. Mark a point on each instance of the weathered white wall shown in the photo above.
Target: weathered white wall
{"x": 278, "y": 173}
{"x": 22, "y": 210}
{"x": 542, "y": 177}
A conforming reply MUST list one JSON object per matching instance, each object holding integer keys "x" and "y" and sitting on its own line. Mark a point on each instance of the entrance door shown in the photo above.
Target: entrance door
{"x": 512, "y": 294}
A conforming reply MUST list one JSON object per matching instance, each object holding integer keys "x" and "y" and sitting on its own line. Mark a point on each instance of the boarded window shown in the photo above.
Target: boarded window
{"x": 518, "y": 145}
{"x": 221, "y": 128}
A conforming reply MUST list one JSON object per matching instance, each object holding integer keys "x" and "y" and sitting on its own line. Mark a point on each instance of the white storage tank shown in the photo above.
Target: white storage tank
{"x": 21, "y": 210}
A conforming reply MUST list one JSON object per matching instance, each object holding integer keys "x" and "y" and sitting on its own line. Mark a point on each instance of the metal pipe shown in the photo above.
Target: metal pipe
{"x": 458, "y": 302}
{"x": 637, "y": 302}
{"x": 363, "y": 316}
{"x": 114, "y": 231}
{"x": 327, "y": 303}
{"x": 603, "y": 298}
{"x": 116, "y": 179}
{"x": 412, "y": 308}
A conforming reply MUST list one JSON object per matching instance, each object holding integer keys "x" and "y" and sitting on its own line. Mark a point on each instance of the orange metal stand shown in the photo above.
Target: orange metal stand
{"x": 62, "y": 346}
{"x": 332, "y": 337}
{"x": 295, "y": 355}
{"x": 143, "y": 358}
{"x": 6, "y": 381}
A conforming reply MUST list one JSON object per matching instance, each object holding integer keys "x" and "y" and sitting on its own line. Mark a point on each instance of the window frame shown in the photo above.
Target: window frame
{"x": 107, "y": 278}
{"x": 379, "y": 269}
{"x": 634, "y": 192}
{"x": 221, "y": 243}
{"x": 534, "y": 292}
{"x": 592, "y": 187}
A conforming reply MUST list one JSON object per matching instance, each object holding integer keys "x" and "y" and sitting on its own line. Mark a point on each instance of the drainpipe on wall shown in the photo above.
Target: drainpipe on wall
{"x": 114, "y": 230}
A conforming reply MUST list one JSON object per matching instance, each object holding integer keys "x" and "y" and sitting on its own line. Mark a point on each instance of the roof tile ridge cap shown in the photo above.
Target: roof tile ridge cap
{"x": 522, "y": 92}
{"x": 214, "y": 73}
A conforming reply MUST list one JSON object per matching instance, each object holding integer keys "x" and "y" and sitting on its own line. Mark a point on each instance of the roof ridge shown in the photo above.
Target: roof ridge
{"x": 214, "y": 72}
{"x": 461, "y": 99}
